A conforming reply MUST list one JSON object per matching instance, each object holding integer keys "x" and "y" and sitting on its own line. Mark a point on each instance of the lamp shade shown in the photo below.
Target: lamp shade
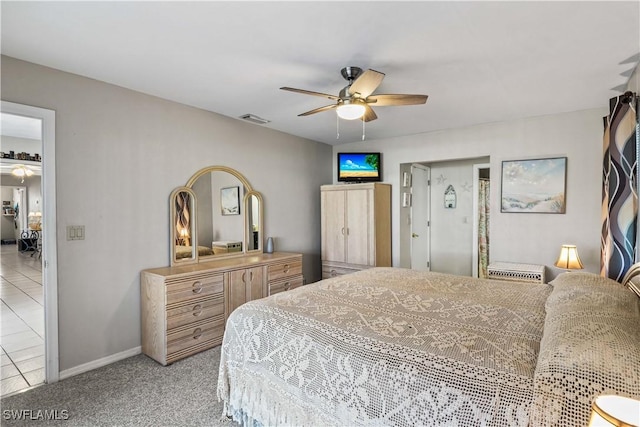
{"x": 609, "y": 410}
{"x": 569, "y": 258}
{"x": 350, "y": 110}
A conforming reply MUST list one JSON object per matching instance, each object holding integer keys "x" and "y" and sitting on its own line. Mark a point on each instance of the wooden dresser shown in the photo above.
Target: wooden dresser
{"x": 185, "y": 307}
{"x": 355, "y": 227}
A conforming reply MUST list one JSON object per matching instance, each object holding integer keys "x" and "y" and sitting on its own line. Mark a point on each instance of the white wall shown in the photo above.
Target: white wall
{"x": 528, "y": 238}
{"x": 452, "y": 228}
{"x": 119, "y": 154}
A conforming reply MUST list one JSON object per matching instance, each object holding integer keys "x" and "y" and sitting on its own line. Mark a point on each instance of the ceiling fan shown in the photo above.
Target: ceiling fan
{"x": 355, "y": 100}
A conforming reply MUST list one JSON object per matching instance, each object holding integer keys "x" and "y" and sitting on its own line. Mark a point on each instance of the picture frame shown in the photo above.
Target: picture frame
{"x": 230, "y": 200}
{"x": 534, "y": 186}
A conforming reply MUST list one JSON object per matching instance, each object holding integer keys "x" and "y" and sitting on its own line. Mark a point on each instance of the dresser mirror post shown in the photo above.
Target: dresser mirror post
{"x": 226, "y": 217}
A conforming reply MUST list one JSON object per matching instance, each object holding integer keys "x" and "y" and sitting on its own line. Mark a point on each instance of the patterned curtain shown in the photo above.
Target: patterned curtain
{"x": 619, "y": 188}
{"x": 483, "y": 228}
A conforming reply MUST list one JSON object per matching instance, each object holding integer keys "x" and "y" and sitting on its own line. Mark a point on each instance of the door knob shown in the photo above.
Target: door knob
{"x": 414, "y": 235}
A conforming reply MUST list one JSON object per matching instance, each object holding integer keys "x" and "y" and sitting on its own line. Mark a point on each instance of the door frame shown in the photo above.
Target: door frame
{"x": 49, "y": 248}
{"x": 474, "y": 237}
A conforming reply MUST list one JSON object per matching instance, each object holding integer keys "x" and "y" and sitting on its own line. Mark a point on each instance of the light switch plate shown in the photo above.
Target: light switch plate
{"x": 75, "y": 232}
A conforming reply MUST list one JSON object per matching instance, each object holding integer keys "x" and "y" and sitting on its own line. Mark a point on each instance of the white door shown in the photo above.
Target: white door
{"x": 420, "y": 217}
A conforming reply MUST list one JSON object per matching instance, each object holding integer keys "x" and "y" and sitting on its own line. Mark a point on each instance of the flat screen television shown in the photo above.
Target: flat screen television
{"x": 359, "y": 167}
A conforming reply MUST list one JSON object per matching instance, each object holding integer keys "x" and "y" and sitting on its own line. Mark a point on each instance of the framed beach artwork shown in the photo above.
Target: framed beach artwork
{"x": 230, "y": 200}
{"x": 534, "y": 186}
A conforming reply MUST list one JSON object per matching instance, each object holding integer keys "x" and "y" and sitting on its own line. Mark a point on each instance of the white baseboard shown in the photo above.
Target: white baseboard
{"x": 86, "y": 367}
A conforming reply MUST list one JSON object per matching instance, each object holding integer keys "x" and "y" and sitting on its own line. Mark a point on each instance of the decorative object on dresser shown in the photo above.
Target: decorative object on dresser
{"x": 530, "y": 273}
{"x": 185, "y": 306}
{"x": 569, "y": 259}
{"x": 355, "y": 227}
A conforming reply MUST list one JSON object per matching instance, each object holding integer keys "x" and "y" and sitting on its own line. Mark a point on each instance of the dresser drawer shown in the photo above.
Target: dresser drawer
{"x": 281, "y": 271}
{"x": 285, "y": 284}
{"x": 195, "y": 287}
{"x": 195, "y": 312}
{"x": 329, "y": 271}
{"x": 195, "y": 335}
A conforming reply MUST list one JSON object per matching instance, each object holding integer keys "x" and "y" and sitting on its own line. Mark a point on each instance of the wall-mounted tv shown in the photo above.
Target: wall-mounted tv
{"x": 359, "y": 167}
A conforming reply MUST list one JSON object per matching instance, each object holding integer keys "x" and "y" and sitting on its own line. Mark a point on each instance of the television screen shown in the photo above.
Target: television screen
{"x": 359, "y": 167}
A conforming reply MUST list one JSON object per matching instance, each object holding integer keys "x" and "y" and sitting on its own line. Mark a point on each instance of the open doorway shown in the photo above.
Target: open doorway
{"x": 451, "y": 196}
{"x": 29, "y": 338}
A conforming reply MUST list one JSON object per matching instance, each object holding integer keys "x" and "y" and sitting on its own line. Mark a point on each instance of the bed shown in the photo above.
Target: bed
{"x": 183, "y": 251}
{"x": 391, "y": 346}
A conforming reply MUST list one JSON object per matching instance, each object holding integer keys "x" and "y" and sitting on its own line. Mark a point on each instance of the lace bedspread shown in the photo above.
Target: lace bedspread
{"x": 385, "y": 346}
{"x": 590, "y": 347}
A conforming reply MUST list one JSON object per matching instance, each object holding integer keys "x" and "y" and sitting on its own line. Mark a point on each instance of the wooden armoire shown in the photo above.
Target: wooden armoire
{"x": 356, "y": 227}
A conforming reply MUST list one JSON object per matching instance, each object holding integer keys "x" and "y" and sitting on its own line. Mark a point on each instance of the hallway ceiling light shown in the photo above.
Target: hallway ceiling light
{"x": 21, "y": 171}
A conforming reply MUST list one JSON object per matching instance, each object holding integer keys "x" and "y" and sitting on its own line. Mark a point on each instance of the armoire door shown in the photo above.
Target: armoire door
{"x": 333, "y": 228}
{"x": 359, "y": 227}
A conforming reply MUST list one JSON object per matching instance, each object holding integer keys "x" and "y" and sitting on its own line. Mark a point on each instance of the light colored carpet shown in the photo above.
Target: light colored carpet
{"x": 133, "y": 392}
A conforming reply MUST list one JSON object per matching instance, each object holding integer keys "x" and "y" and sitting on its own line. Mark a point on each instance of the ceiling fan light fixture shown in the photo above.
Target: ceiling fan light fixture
{"x": 350, "y": 111}
{"x": 21, "y": 170}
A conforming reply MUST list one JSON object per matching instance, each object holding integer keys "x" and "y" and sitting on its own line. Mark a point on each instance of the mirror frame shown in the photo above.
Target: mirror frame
{"x": 248, "y": 190}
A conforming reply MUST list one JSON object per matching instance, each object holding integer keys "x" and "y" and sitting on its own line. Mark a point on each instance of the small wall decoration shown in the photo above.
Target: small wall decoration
{"x": 536, "y": 186}
{"x": 230, "y": 200}
{"x": 406, "y": 200}
{"x": 450, "y": 197}
{"x": 406, "y": 179}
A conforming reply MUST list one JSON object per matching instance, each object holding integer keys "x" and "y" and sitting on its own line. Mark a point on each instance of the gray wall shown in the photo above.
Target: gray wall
{"x": 525, "y": 238}
{"x": 119, "y": 154}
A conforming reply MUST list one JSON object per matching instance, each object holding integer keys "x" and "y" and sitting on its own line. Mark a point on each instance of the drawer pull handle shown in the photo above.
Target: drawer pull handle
{"x": 197, "y": 333}
{"x": 197, "y": 310}
{"x": 286, "y": 268}
{"x": 287, "y": 285}
{"x": 197, "y": 287}
{"x": 333, "y": 273}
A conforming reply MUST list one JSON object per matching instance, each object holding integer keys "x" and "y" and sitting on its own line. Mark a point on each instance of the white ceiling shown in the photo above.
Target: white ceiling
{"x": 20, "y": 126}
{"x": 478, "y": 61}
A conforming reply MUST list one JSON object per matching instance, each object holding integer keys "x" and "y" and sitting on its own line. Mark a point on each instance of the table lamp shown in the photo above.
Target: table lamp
{"x": 611, "y": 410}
{"x": 569, "y": 259}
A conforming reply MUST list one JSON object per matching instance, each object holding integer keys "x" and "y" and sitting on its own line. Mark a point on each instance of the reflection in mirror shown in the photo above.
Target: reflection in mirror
{"x": 182, "y": 225}
{"x": 219, "y": 224}
{"x": 254, "y": 221}
{"x": 216, "y": 214}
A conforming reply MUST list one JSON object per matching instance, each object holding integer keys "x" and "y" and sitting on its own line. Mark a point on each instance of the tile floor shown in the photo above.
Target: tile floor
{"x": 22, "y": 320}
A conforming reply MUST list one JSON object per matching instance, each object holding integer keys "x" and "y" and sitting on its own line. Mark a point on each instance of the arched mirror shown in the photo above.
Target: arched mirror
{"x": 227, "y": 216}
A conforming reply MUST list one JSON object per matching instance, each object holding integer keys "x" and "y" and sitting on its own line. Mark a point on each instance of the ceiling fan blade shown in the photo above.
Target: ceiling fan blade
{"x": 318, "y": 110}
{"x": 309, "y": 92}
{"x": 396, "y": 99}
{"x": 366, "y": 83}
{"x": 369, "y": 114}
